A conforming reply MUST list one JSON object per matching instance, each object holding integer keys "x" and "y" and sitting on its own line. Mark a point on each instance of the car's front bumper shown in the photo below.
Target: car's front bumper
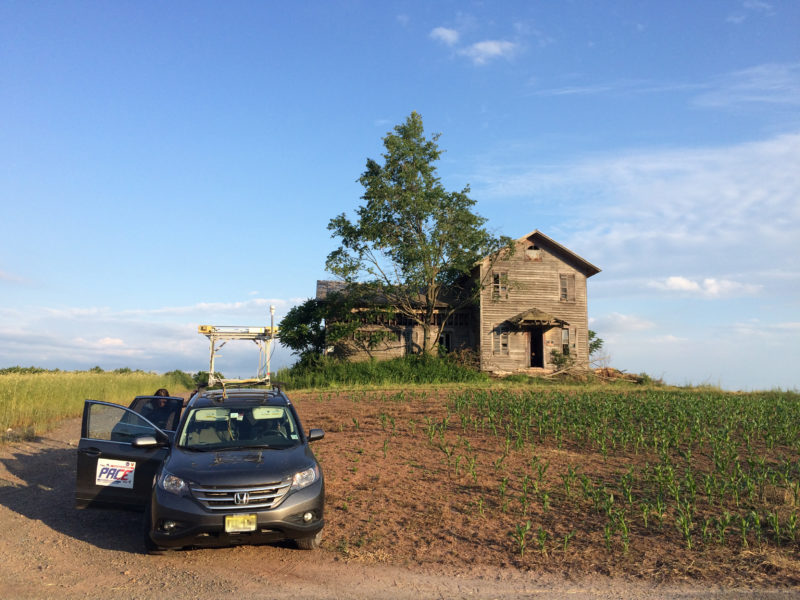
{"x": 197, "y": 526}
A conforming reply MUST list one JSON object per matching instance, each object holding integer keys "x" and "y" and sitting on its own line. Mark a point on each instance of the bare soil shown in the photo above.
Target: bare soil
{"x": 400, "y": 523}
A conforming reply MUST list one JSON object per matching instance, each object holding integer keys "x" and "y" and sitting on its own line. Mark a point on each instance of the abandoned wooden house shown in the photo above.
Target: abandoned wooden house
{"x": 531, "y": 304}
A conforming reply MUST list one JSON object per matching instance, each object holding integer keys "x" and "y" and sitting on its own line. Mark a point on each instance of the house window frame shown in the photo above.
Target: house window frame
{"x": 533, "y": 253}
{"x": 500, "y": 285}
{"x": 566, "y": 336}
{"x": 500, "y": 340}
{"x": 566, "y": 287}
{"x": 446, "y": 340}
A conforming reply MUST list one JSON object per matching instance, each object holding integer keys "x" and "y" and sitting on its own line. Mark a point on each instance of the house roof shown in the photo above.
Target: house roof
{"x": 327, "y": 286}
{"x": 580, "y": 263}
{"x": 534, "y": 316}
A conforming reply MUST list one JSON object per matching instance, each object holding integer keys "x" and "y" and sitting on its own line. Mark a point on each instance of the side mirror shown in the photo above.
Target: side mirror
{"x": 315, "y": 434}
{"x": 145, "y": 441}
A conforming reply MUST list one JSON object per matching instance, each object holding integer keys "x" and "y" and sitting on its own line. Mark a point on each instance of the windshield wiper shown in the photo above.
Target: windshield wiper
{"x": 254, "y": 447}
{"x": 198, "y": 448}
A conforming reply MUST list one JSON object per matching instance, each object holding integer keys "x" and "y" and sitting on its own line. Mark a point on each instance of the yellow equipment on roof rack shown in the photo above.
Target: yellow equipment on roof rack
{"x": 262, "y": 336}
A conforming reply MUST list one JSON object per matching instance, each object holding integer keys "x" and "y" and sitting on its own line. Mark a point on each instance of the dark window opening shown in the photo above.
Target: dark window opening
{"x": 500, "y": 286}
{"x": 446, "y": 341}
{"x": 533, "y": 253}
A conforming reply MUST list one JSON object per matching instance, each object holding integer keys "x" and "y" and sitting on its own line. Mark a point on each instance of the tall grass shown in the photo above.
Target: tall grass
{"x": 31, "y": 403}
{"x": 407, "y": 370}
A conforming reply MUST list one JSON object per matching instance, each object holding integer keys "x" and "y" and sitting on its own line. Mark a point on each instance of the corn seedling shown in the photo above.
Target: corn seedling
{"x": 519, "y": 534}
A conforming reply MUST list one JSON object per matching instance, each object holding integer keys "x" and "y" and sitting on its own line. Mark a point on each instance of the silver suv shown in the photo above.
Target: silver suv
{"x": 238, "y": 469}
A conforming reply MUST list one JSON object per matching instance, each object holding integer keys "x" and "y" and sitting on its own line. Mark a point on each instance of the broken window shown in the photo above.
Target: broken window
{"x": 500, "y": 340}
{"x": 533, "y": 253}
{"x": 445, "y": 341}
{"x": 500, "y": 286}
{"x": 565, "y": 341}
{"x": 567, "y": 287}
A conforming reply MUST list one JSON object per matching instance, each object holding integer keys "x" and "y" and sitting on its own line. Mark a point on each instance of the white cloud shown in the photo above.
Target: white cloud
{"x": 160, "y": 338}
{"x": 771, "y": 84}
{"x": 679, "y": 283}
{"x": 716, "y": 213}
{"x": 483, "y": 52}
{"x": 749, "y": 7}
{"x": 616, "y": 323}
{"x": 756, "y": 328}
{"x": 669, "y": 339}
{"x": 767, "y": 86}
{"x": 449, "y": 37}
{"x": 708, "y": 287}
{"x": 10, "y": 277}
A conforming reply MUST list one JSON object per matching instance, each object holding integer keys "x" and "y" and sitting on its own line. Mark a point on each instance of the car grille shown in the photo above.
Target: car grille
{"x": 245, "y": 498}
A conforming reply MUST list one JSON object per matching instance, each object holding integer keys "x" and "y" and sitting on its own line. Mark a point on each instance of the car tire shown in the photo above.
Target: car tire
{"x": 150, "y": 547}
{"x": 310, "y": 543}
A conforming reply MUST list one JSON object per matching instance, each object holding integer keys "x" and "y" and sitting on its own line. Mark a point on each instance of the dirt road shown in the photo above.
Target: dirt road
{"x": 48, "y": 549}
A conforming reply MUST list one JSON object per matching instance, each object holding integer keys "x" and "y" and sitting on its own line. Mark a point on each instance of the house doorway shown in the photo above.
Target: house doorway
{"x": 536, "y": 335}
{"x": 446, "y": 341}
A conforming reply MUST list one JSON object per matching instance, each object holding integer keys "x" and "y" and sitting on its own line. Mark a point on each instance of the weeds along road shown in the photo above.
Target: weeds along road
{"x": 48, "y": 549}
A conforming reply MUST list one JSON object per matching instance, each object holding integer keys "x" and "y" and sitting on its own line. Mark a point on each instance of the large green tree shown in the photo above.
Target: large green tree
{"x": 413, "y": 241}
{"x": 310, "y": 327}
{"x": 303, "y": 328}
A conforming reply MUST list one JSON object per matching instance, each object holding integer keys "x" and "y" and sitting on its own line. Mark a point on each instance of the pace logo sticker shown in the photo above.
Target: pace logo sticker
{"x": 118, "y": 473}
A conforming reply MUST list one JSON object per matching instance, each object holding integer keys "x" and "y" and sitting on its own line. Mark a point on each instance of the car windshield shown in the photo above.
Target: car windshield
{"x": 223, "y": 428}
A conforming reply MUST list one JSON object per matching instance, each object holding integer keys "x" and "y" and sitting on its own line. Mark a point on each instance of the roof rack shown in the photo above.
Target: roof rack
{"x": 219, "y": 335}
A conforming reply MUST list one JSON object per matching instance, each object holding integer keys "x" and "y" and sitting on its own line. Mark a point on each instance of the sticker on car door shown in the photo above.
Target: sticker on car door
{"x": 116, "y": 473}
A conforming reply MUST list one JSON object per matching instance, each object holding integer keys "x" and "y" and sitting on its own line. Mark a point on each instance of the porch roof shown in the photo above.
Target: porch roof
{"x": 534, "y": 316}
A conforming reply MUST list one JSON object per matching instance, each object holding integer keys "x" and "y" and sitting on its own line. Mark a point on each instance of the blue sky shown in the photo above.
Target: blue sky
{"x": 169, "y": 165}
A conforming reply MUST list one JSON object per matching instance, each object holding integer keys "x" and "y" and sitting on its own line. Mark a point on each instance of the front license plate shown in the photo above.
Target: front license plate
{"x": 240, "y": 523}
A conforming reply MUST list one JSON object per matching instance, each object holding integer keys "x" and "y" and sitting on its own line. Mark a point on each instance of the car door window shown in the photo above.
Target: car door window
{"x": 116, "y": 424}
{"x": 164, "y": 412}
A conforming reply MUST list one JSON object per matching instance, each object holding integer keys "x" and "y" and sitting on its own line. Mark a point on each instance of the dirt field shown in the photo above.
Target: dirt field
{"x": 400, "y": 524}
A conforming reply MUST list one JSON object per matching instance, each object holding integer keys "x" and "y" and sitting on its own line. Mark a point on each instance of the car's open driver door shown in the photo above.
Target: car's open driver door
{"x": 113, "y": 468}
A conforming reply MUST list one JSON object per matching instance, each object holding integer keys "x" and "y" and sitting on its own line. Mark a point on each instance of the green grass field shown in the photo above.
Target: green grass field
{"x": 33, "y": 403}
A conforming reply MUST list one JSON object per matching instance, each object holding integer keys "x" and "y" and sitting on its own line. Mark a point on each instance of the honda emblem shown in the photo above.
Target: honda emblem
{"x": 241, "y": 498}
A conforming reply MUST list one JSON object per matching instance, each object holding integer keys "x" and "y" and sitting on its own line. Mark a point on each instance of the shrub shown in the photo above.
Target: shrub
{"x": 328, "y": 371}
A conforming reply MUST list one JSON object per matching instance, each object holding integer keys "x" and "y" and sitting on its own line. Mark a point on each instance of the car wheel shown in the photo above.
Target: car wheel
{"x": 150, "y": 547}
{"x": 310, "y": 543}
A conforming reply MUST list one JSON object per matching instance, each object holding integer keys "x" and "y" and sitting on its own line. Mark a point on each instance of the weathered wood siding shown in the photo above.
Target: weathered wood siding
{"x": 410, "y": 342}
{"x": 533, "y": 282}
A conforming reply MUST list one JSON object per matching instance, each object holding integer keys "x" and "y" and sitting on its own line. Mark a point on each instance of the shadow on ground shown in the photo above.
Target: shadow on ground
{"x": 47, "y": 494}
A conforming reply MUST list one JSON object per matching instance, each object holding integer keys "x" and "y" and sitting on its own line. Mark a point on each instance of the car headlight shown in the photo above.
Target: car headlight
{"x": 305, "y": 478}
{"x": 172, "y": 484}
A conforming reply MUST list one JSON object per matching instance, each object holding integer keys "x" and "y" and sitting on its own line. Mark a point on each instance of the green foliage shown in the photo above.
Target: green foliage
{"x": 595, "y": 343}
{"x": 561, "y": 360}
{"x": 316, "y": 324}
{"x": 413, "y": 239}
{"x": 720, "y": 466}
{"x": 200, "y": 379}
{"x": 329, "y": 371}
{"x": 181, "y": 379}
{"x": 303, "y": 327}
{"x": 26, "y": 370}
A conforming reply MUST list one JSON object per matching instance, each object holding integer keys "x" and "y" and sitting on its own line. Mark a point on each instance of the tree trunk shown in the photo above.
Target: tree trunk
{"x": 428, "y": 346}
